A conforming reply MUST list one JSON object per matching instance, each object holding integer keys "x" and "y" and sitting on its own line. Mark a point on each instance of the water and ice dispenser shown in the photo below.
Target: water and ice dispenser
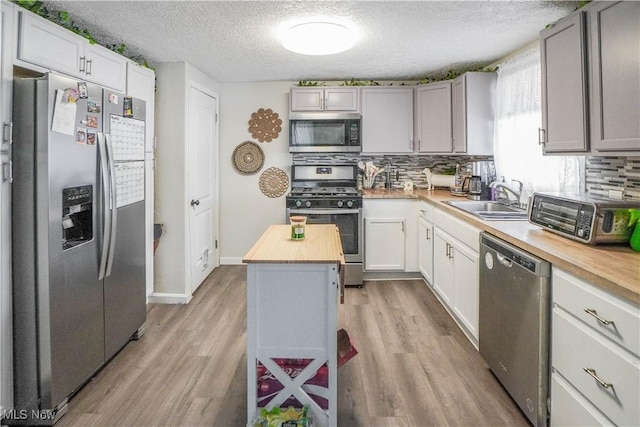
{"x": 77, "y": 215}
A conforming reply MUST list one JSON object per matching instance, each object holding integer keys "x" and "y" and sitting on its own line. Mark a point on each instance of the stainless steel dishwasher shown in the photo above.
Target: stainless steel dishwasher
{"x": 514, "y": 323}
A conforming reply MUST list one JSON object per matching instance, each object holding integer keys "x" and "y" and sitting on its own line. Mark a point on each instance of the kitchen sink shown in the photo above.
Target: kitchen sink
{"x": 489, "y": 210}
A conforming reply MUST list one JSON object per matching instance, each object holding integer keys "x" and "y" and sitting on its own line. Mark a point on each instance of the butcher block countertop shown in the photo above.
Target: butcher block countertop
{"x": 321, "y": 245}
{"x": 615, "y": 268}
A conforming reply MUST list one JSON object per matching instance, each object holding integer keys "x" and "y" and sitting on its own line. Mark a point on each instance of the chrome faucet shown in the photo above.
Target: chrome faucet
{"x": 505, "y": 190}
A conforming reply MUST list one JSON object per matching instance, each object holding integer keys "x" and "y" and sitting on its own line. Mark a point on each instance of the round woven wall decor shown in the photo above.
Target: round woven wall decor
{"x": 248, "y": 158}
{"x": 265, "y": 125}
{"x": 274, "y": 182}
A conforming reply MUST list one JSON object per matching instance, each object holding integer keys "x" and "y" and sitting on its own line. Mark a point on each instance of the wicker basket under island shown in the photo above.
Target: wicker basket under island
{"x": 292, "y": 342}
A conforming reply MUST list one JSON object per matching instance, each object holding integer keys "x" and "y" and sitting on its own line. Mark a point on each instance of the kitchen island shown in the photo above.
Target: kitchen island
{"x": 292, "y": 295}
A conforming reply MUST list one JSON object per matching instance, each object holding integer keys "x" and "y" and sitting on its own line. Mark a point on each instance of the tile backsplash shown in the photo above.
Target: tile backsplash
{"x": 613, "y": 173}
{"x": 602, "y": 173}
{"x": 408, "y": 167}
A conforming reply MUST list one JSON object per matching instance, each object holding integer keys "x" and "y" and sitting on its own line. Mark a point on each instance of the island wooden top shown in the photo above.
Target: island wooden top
{"x": 321, "y": 245}
{"x": 615, "y": 268}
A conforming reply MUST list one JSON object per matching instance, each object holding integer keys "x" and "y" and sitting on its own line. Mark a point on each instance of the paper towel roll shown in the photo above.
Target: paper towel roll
{"x": 442, "y": 180}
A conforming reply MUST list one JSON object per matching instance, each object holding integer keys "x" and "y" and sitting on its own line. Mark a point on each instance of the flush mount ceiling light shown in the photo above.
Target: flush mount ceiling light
{"x": 318, "y": 38}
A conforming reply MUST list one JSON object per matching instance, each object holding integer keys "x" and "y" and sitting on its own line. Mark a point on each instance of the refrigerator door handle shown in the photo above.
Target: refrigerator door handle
{"x": 114, "y": 206}
{"x": 106, "y": 206}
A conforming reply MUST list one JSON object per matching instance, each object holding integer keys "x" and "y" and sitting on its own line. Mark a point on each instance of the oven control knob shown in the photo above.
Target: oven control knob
{"x": 298, "y": 203}
{"x": 340, "y": 203}
{"x": 307, "y": 204}
{"x": 349, "y": 203}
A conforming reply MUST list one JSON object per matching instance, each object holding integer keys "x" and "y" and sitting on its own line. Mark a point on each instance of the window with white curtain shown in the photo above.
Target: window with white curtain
{"x": 517, "y": 154}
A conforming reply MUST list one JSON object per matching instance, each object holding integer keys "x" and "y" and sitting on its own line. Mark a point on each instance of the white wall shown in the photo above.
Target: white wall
{"x": 170, "y": 261}
{"x": 245, "y": 212}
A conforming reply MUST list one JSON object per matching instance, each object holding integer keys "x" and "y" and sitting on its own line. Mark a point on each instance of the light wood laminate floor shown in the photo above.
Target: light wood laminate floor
{"x": 414, "y": 367}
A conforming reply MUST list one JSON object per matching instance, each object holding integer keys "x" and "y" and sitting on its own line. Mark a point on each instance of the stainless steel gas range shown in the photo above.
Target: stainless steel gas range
{"x": 327, "y": 194}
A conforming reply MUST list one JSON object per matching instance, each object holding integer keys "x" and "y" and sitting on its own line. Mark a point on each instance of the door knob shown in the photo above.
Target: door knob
{"x": 195, "y": 202}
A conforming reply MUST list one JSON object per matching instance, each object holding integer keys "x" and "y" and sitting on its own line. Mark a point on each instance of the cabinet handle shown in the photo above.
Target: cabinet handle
{"x": 428, "y": 238}
{"x": 7, "y": 172}
{"x": 402, "y": 226}
{"x": 7, "y": 135}
{"x": 592, "y": 373}
{"x": 82, "y": 63}
{"x": 593, "y": 313}
{"x": 541, "y": 136}
{"x": 419, "y": 145}
{"x": 447, "y": 248}
{"x": 195, "y": 203}
{"x": 89, "y": 66}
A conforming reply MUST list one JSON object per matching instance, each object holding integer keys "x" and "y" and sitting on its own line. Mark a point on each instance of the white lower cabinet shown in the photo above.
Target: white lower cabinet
{"x": 455, "y": 269}
{"x": 425, "y": 242}
{"x": 595, "y": 355}
{"x": 384, "y": 247}
{"x": 390, "y": 235}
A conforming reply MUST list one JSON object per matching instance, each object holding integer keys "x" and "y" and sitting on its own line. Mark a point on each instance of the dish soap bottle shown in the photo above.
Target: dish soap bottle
{"x": 634, "y": 219}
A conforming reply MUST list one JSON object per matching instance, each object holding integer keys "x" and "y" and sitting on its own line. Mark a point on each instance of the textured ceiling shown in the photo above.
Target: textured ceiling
{"x": 237, "y": 41}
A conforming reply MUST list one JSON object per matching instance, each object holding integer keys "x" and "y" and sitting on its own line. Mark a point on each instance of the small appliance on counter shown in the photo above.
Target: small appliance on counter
{"x": 583, "y": 218}
{"x": 482, "y": 173}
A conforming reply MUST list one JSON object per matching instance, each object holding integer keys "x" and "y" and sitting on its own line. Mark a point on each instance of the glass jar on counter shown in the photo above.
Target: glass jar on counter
{"x": 298, "y": 226}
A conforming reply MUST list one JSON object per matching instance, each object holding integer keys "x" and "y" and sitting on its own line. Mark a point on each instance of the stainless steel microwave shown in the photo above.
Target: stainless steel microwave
{"x": 582, "y": 218}
{"x": 324, "y": 132}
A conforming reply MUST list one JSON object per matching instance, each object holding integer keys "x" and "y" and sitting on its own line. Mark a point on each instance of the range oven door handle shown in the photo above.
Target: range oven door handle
{"x": 324, "y": 211}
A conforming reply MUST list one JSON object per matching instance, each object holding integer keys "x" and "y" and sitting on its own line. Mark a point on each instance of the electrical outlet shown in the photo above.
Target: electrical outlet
{"x": 616, "y": 194}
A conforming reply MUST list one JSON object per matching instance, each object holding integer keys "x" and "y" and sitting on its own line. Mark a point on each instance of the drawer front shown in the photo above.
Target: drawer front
{"x": 575, "y": 347}
{"x": 426, "y": 211}
{"x": 461, "y": 230}
{"x": 570, "y": 408}
{"x": 575, "y": 295}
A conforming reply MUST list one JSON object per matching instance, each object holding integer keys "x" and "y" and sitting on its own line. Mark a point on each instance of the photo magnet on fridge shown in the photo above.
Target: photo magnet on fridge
{"x": 82, "y": 90}
{"x": 113, "y": 98}
{"x": 92, "y": 122}
{"x": 93, "y": 106}
{"x": 81, "y": 136}
{"x": 127, "y": 107}
{"x": 91, "y": 137}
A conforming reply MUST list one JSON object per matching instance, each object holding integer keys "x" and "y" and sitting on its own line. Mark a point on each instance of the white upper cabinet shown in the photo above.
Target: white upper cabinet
{"x": 564, "y": 86}
{"x": 473, "y": 113}
{"x": 50, "y": 46}
{"x": 590, "y": 84}
{"x": 105, "y": 67}
{"x": 324, "y": 99}
{"x": 433, "y": 129}
{"x": 387, "y": 120}
{"x": 615, "y": 83}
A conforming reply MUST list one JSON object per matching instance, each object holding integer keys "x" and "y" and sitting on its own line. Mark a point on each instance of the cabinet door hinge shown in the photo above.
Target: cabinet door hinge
{"x": 216, "y": 243}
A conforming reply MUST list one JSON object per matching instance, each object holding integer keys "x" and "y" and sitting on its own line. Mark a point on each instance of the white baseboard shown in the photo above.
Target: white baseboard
{"x": 231, "y": 261}
{"x": 391, "y": 275}
{"x": 167, "y": 298}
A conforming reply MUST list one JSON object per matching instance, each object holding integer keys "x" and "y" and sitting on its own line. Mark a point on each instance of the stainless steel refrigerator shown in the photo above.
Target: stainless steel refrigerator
{"x": 78, "y": 237}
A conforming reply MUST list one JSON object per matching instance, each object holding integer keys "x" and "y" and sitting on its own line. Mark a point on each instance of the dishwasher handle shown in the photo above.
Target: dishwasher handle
{"x": 504, "y": 260}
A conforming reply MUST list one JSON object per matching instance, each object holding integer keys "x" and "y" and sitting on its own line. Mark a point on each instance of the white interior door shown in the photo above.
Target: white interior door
{"x": 202, "y": 148}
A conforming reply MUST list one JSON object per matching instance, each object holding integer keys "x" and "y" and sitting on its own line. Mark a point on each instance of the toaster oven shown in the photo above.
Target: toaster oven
{"x": 582, "y": 218}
